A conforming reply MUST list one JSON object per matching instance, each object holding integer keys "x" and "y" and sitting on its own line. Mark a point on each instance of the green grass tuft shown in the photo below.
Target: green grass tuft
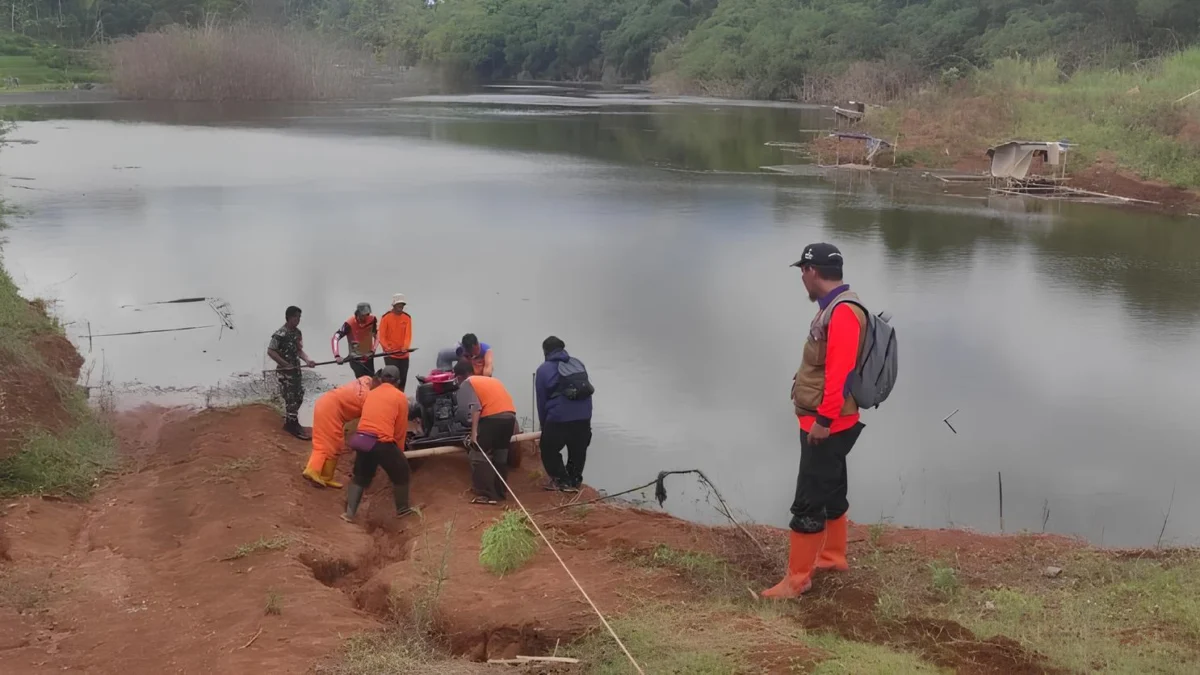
{"x": 860, "y": 658}
{"x": 68, "y": 463}
{"x": 943, "y": 579}
{"x": 508, "y": 544}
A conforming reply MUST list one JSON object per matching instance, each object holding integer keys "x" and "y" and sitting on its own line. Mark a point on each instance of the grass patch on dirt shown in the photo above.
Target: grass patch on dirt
{"x": 227, "y": 471}
{"x": 277, "y": 543}
{"x": 23, "y": 590}
{"x": 70, "y": 462}
{"x": 274, "y": 606}
{"x": 397, "y": 650}
{"x": 711, "y": 574}
{"x": 846, "y": 657}
{"x": 1104, "y": 615}
{"x": 508, "y": 544}
{"x": 701, "y": 638}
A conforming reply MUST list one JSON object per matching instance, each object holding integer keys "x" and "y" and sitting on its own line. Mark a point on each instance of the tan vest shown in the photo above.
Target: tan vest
{"x": 808, "y": 386}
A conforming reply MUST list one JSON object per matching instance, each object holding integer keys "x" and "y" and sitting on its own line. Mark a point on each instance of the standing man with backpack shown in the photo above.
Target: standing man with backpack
{"x": 564, "y": 403}
{"x": 849, "y": 360}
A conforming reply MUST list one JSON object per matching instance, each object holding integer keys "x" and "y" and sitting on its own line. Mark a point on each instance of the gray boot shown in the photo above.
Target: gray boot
{"x": 400, "y": 496}
{"x": 354, "y": 494}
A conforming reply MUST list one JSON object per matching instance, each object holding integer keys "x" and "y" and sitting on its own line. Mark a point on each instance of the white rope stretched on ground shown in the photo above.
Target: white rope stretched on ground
{"x": 528, "y": 516}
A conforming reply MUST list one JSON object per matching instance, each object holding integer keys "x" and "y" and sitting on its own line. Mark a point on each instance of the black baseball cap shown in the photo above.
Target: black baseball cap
{"x": 820, "y": 255}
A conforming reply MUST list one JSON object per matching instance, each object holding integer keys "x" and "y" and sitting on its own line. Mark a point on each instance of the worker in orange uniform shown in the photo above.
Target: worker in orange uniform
{"x": 333, "y": 411}
{"x": 395, "y": 338}
{"x": 360, "y": 331}
{"x": 829, "y": 425}
{"x": 493, "y": 420}
{"x": 379, "y": 441}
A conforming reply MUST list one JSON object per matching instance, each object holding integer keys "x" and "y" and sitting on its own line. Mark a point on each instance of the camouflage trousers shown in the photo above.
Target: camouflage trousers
{"x": 291, "y": 390}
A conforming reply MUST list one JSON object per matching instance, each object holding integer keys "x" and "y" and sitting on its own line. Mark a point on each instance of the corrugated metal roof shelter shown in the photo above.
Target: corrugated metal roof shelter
{"x": 1012, "y": 160}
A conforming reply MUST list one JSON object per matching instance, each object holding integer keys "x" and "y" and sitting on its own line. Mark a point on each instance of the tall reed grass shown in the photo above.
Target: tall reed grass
{"x": 231, "y": 62}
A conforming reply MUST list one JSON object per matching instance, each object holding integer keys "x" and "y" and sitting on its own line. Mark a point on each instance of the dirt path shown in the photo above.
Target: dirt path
{"x": 139, "y": 580}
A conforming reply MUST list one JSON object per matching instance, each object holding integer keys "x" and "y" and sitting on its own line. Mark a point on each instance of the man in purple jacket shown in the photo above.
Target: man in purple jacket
{"x": 564, "y": 402}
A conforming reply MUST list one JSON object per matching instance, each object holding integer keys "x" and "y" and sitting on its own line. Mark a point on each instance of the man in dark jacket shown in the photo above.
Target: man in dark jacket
{"x": 564, "y": 402}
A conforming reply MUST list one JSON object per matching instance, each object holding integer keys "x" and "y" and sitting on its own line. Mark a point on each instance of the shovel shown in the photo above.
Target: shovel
{"x": 364, "y": 357}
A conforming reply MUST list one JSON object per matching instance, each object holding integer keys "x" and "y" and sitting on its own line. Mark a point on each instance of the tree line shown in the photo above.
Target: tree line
{"x": 769, "y": 47}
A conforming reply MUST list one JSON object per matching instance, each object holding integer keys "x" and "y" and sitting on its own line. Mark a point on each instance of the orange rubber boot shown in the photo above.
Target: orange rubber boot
{"x": 316, "y": 464}
{"x": 833, "y": 554}
{"x": 802, "y": 559}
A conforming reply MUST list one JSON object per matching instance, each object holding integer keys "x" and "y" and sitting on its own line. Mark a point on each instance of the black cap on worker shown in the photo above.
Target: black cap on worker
{"x": 389, "y": 374}
{"x": 820, "y": 255}
{"x": 464, "y": 368}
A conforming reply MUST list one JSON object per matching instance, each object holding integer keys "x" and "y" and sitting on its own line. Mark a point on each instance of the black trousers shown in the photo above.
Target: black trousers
{"x": 402, "y": 364}
{"x": 291, "y": 390}
{"x": 822, "y": 483}
{"x": 575, "y": 437}
{"x": 394, "y": 464}
{"x": 495, "y": 436}
{"x": 362, "y": 368}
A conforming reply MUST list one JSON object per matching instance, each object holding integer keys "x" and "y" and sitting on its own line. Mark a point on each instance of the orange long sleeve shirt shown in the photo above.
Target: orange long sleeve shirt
{"x": 395, "y": 333}
{"x": 385, "y": 414}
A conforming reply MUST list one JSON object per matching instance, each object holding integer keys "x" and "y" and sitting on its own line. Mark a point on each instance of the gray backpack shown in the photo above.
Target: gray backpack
{"x": 875, "y": 373}
{"x": 573, "y": 383}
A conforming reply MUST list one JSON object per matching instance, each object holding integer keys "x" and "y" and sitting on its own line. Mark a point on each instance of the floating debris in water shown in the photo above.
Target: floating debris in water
{"x": 220, "y": 306}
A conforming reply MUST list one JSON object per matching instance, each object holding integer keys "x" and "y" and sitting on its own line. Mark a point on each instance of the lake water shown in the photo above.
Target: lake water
{"x": 647, "y": 238}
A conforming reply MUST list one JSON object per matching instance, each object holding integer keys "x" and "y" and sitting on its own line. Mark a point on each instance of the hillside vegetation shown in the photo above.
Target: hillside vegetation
{"x": 761, "y": 48}
{"x": 1140, "y": 120}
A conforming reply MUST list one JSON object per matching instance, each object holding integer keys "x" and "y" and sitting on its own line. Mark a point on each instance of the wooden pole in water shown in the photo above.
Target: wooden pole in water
{"x": 1000, "y": 481}
{"x": 454, "y": 449}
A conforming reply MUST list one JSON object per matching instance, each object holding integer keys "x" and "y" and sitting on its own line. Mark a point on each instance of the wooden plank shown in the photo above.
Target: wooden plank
{"x": 454, "y": 449}
{"x": 526, "y": 660}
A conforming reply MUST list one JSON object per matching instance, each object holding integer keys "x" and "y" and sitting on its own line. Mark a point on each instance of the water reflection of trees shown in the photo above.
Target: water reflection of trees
{"x": 684, "y": 137}
{"x": 1151, "y": 261}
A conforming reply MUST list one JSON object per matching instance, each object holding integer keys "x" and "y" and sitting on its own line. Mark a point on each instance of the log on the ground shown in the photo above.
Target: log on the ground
{"x": 453, "y": 449}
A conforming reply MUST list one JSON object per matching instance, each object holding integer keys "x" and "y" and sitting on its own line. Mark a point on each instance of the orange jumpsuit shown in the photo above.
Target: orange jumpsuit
{"x": 333, "y": 410}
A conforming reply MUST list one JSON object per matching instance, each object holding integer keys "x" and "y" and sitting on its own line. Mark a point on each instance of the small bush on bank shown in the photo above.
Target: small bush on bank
{"x": 508, "y": 544}
{"x": 237, "y": 62}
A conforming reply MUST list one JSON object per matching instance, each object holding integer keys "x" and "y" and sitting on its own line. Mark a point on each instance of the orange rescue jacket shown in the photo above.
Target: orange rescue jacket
{"x": 494, "y": 399}
{"x": 385, "y": 414}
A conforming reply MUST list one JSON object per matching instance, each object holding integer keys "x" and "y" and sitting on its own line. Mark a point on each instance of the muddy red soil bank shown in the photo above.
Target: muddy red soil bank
{"x": 140, "y": 580}
{"x": 29, "y": 395}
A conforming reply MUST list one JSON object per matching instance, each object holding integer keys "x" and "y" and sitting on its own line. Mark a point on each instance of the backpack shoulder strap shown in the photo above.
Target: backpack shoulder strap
{"x": 864, "y": 320}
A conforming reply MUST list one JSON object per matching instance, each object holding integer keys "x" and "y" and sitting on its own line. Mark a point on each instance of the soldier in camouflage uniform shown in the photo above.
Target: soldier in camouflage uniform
{"x": 286, "y": 349}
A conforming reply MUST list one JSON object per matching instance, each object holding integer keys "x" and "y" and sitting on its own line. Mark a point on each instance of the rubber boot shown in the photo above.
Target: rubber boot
{"x": 833, "y": 554}
{"x": 293, "y": 427}
{"x": 314, "y": 477}
{"x": 312, "y": 471}
{"x": 327, "y": 473}
{"x": 802, "y": 558}
{"x": 354, "y": 494}
{"x": 400, "y": 497}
